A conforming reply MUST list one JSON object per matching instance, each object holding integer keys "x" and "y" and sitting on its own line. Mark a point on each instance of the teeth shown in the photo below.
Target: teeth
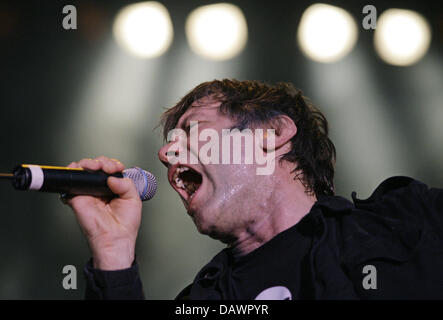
{"x": 175, "y": 176}
{"x": 179, "y": 183}
{"x": 180, "y": 170}
{"x": 190, "y": 188}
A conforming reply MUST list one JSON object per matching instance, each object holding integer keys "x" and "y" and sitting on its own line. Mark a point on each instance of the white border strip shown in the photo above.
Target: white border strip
{"x": 37, "y": 177}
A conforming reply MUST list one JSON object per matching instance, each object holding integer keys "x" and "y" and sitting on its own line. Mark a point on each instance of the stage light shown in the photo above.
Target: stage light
{"x": 402, "y": 37}
{"x": 144, "y": 29}
{"x": 326, "y": 33}
{"x": 217, "y": 31}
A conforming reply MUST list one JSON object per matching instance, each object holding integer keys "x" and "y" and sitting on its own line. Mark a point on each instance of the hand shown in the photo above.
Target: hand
{"x": 110, "y": 225}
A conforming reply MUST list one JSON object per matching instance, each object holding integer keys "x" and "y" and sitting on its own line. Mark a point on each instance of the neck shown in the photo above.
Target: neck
{"x": 285, "y": 207}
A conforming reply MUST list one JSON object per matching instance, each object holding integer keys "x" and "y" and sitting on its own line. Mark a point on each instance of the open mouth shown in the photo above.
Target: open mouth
{"x": 187, "y": 179}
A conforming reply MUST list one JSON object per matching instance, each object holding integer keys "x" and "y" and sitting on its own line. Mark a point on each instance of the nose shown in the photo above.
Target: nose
{"x": 166, "y": 150}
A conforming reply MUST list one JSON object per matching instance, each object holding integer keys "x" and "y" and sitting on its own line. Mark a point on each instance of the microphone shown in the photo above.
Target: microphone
{"x": 77, "y": 181}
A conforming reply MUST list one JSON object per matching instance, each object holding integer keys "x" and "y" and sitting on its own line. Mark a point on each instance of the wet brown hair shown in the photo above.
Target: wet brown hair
{"x": 254, "y": 102}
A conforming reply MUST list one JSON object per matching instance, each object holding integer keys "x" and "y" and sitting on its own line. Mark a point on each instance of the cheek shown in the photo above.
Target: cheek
{"x": 235, "y": 185}
{"x": 223, "y": 146}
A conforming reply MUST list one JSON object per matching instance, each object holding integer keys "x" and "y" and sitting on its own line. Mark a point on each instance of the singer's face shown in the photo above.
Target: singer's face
{"x": 222, "y": 198}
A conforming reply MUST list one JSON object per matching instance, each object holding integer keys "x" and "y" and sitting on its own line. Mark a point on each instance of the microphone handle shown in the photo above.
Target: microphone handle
{"x": 72, "y": 181}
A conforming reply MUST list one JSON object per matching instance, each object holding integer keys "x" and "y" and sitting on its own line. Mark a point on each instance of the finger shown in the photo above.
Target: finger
{"x": 110, "y": 166}
{"x": 79, "y": 202}
{"x": 90, "y": 164}
{"x": 118, "y": 163}
{"x": 123, "y": 187}
{"x": 73, "y": 165}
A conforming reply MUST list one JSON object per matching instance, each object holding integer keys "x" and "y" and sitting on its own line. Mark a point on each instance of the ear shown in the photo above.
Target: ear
{"x": 284, "y": 130}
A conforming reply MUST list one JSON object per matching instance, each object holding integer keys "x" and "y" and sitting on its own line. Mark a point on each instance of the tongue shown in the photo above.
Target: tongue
{"x": 191, "y": 188}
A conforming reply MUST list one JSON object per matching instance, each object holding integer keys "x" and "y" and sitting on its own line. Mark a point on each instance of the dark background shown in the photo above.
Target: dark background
{"x": 71, "y": 94}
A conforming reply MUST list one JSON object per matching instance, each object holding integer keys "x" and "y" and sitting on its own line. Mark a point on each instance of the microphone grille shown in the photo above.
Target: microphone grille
{"x": 144, "y": 181}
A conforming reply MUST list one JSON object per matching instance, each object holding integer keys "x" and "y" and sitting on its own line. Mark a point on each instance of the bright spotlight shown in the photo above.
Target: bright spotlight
{"x": 402, "y": 37}
{"x": 326, "y": 33}
{"x": 217, "y": 31}
{"x": 144, "y": 29}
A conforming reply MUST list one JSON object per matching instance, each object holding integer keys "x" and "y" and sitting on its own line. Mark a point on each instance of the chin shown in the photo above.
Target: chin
{"x": 204, "y": 225}
{"x": 204, "y": 229}
{"x": 200, "y": 222}
{"x": 212, "y": 231}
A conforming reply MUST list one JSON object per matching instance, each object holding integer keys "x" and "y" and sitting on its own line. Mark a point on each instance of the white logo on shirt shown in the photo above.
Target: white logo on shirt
{"x": 275, "y": 293}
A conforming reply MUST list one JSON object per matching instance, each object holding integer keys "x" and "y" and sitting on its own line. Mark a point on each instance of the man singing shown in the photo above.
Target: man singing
{"x": 270, "y": 199}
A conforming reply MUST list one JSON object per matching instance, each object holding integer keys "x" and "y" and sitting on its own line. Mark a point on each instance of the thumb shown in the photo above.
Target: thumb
{"x": 123, "y": 187}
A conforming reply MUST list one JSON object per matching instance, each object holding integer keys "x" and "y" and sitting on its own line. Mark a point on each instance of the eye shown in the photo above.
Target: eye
{"x": 190, "y": 125}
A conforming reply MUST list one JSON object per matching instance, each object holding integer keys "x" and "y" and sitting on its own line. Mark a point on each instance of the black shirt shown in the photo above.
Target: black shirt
{"x": 279, "y": 269}
{"x": 397, "y": 233}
